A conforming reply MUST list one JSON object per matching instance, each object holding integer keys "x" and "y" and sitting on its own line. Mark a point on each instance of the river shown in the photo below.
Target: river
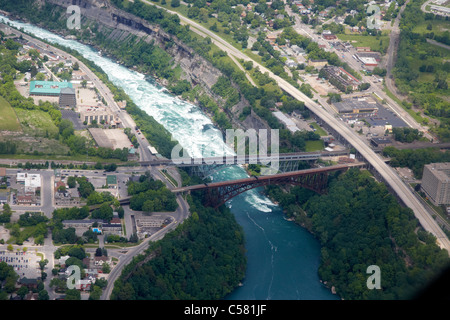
{"x": 282, "y": 257}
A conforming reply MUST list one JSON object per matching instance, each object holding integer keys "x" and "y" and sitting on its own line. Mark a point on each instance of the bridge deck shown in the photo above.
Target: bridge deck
{"x": 268, "y": 177}
{"x": 253, "y": 159}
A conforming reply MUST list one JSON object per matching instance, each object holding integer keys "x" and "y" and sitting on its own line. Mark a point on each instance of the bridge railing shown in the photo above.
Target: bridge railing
{"x": 246, "y": 159}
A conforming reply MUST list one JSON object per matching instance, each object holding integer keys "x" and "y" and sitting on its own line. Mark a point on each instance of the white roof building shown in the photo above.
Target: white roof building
{"x": 290, "y": 125}
{"x": 30, "y": 180}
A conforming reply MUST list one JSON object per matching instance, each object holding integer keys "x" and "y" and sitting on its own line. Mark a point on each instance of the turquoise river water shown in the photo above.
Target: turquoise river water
{"x": 283, "y": 258}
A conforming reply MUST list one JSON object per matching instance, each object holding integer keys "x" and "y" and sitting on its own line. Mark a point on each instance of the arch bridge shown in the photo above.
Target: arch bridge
{"x": 220, "y": 192}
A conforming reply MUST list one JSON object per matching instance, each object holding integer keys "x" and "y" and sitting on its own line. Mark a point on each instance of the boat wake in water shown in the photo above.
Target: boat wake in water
{"x": 282, "y": 258}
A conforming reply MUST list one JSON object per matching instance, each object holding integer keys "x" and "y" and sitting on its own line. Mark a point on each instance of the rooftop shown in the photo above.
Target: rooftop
{"x": 355, "y": 105}
{"x": 67, "y": 90}
{"x": 111, "y": 179}
{"x": 48, "y": 87}
{"x": 440, "y": 170}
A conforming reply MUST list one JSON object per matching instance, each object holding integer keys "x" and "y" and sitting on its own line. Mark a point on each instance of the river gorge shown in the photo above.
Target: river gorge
{"x": 282, "y": 257}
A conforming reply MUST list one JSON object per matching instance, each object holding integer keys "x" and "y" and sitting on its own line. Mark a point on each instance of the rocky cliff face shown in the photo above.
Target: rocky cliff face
{"x": 119, "y": 25}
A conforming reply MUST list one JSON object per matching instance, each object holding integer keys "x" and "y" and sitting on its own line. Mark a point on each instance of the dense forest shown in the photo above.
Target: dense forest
{"x": 8, "y": 278}
{"x": 261, "y": 99}
{"x": 204, "y": 258}
{"x": 150, "y": 195}
{"x": 422, "y": 69}
{"x": 358, "y": 224}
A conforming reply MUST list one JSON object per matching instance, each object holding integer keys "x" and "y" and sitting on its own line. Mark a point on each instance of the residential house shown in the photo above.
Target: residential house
{"x": 291, "y": 63}
{"x": 328, "y": 35}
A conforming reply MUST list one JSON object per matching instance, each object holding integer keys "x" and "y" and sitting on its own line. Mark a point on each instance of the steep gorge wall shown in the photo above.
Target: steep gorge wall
{"x": 119, "y": 25}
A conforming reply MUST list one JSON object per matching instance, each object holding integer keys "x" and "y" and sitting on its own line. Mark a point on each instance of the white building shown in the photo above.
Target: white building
{"x": 290, "y": 125}
{"x": 30, "y": 180}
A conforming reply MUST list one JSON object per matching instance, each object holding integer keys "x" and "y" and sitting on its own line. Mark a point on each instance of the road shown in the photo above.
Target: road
{"x": 47, "y": 197}
{"x": 386, "y": 172}
{"x": 375, "y": 86}
{"x": 434, "y": 42}
{"x": 124, "y": 117}
{"x": 47, "y": 190}
{"x": 437, "y": 9}
{"x": 134, "y": 251}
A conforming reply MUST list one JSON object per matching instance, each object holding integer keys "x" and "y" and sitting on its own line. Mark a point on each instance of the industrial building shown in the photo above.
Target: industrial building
{"x": 290, "y": 125}
{"x": 31, "y": 181}
{"x": 340, "y": 78}
{"x": 67, "y": 98}
{"x": 369, "y": 59}
{"x": 436, "y": 183}
{"x": 89, "y": 114}
{"x": 48, "y": 88}
{"x": 328, "y": 35}
{"x": 380, "y": 142}
{"x": 356, "y": 106}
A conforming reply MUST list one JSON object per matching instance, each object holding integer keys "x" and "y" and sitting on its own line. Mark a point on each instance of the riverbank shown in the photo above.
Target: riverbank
{"x": 299, "y": 218}
{"x": 269, "y": 276}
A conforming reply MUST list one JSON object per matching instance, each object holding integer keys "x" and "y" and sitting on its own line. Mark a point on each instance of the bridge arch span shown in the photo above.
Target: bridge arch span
{"x": 218, "y": 193}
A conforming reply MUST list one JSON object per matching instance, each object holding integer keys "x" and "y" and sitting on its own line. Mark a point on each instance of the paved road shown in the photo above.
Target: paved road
{"x": 47, "y": 196}
{"x": 434, "y": 42}
{"x": 124, "y": 260}
{"x": 375, "y": 86}
{"x": 145, "y": 155}
{"x": 386, "y": 172}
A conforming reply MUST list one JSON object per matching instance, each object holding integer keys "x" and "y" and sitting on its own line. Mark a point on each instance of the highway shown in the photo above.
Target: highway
{"x": 47, "y": 191}
{"x": 375, "y": 86}
{"x": 124, "y": 117}
{"x": 386, "y": 172}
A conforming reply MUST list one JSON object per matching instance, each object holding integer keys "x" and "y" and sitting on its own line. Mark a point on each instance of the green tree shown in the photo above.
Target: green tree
{"x": 22, "y": 292}
{"x": 73, "y": 294}
{"x": 43, "y": 295}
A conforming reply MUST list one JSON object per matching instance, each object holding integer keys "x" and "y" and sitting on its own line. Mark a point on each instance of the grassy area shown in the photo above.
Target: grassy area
{"x": 8, "y": 118}
{"x": 314, "y": 145}
{"x": 376, "y": 43}
{"x": 437, "y": 27}
{"x": 169, "y": 177}
{"x": 39, "y": 133}
{"x": 25, "y": 233}
{"x": 413, "y": 114}
{"x": 36, "y": 122}
{"x": 80, "y": 158}
{"x": 319, "y": 130}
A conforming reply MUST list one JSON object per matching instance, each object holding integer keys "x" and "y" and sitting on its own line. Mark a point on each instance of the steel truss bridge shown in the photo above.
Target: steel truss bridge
{"x": 220, "y": 192}
{"x": 285, "y": 162}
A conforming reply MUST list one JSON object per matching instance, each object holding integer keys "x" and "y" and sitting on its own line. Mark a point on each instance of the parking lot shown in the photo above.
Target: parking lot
{"x": 25, "y": 264}
{"x": 386, "y": 116}
{"x": 74, "y": 118}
